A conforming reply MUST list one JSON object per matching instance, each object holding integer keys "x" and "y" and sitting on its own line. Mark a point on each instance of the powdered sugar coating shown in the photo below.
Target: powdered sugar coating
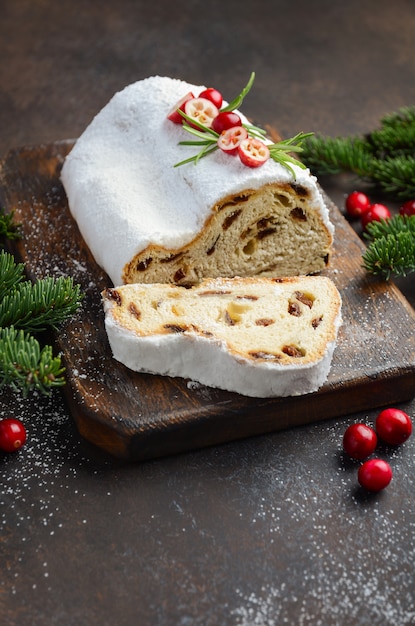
{"x": 211, "y": 364}
{"x": 122, "y": 185}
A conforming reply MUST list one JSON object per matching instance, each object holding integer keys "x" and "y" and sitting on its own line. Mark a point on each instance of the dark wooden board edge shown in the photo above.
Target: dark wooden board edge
{"x": 218, "y": 427}
{"x": 170, "y": 418}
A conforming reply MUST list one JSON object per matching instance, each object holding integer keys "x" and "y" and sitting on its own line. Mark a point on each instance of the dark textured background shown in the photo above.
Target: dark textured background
{"x": 267, "y": 531}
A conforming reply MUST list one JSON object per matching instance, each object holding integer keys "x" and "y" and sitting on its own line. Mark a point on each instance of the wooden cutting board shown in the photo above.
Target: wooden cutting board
{"x": 137, "y": 416}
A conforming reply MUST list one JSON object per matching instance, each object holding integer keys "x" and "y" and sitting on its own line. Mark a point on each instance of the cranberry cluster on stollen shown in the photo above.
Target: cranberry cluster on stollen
{"x": 392, "y": 426}
{"x": 233, "y": 138}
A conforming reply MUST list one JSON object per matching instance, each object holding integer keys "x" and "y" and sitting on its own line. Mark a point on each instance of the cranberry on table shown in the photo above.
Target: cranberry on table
{"x": 359, "y": 441}
{"x": 213, "y": 95}
{"x": 357, "y": 203}
{"x": 12, "y": 434}
{"x": 408, "y": 208}
{"x": 374, "y": 475}
{"x": 376, "y": 212}
{"x": 393, "y": 426}
{"x": 225, "y": 120}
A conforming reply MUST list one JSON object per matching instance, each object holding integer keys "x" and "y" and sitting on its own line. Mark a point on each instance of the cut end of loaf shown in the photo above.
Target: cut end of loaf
{"x": 273, "y": 231}
{"x": 259, "y": 337}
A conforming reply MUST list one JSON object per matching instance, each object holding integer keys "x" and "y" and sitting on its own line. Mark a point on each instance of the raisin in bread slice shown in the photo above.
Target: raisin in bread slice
{"x": 145, "y": 220}
{"x": 259, "y": 337}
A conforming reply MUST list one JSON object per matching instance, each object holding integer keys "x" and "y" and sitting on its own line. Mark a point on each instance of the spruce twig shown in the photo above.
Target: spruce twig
{"x": 391, "y": 249}
{"x": 8, "y": 227}
{"x": 385, "y": 157}
{"x": 25, "y": 308}
{"x": 24, "y": 365}
{"x": 35, "y": 307}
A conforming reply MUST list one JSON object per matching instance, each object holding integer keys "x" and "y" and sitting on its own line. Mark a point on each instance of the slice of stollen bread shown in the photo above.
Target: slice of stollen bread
{"x": 258, "y": 337}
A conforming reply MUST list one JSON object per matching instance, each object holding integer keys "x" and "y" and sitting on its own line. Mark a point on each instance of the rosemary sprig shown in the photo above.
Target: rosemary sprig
{"x": 237, "y": 102}
{"x": 280, "y": 151}
{"x": 208, "y": 138}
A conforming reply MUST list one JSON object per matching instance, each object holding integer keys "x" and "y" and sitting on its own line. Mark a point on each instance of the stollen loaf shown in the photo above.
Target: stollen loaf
{"x": 256, "y": 336}
{"x": 147, "y": 221}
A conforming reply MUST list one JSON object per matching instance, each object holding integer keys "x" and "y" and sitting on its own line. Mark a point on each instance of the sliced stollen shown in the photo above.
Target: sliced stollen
{"x": 259, "y": 337}
{"x": 145, "y": 220}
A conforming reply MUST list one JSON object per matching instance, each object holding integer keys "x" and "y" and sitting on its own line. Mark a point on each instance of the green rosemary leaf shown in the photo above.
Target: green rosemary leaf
{"x": 255, "y": 131}
{"x": 195, "y": 158}
{"x": 237, "y": 102}
{"x": 207, "y": 142}
{"x": 200, "y": 131}
{"x": 281, "y": 158}
{"x": 205, "y": 151}
{"x": 296, "y": 141}
{"x": 279, "y": 152}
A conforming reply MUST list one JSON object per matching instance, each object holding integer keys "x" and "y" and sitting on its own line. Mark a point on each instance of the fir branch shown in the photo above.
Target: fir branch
{"x": 393, "y": 226}
{"x": 35, "y": 307}
{"x": 333, "y": 155}
{"x": 402, "y": 117}
{"x": 392, "y": 141}
{"x": 8, "y": 228}
{"x": 25, "y": 308}
{"x": 395, "y": 177}
{"x": 393, "y": 255}
{"x": 11, "y": 273}
{"x": 391, "y": 250}
{"x": 24, "y": 365}
{"x": 385, "y": 157}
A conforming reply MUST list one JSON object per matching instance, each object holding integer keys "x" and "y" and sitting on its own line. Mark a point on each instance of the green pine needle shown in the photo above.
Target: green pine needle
{"x": 391, "y": 251}
{"x": 385, "y": 157}
{"x": 35, "y": 307}
{"x": 25, "y": 366}
{"x": 25, "y": 308}
{"x": 11, "y": 273}
{"x": 8, "y": 228}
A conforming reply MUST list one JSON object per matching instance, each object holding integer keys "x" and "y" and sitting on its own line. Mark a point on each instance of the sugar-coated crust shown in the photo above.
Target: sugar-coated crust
{"x": 239, "y": 334}
{"x": 128, "y": 198}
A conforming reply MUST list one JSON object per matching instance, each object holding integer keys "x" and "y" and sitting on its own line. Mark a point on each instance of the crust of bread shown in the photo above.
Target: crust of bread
{"x": 260, "y": 337}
